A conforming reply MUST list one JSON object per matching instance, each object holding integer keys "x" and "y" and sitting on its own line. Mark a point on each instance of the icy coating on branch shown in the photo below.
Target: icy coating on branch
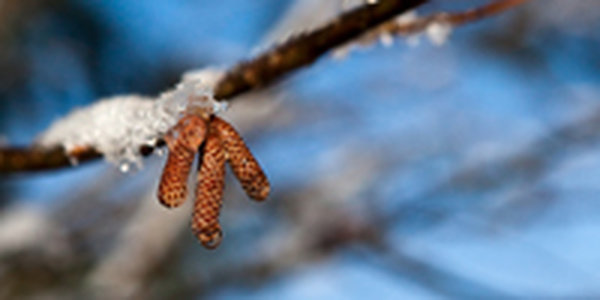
{"x": 119, "y": 126}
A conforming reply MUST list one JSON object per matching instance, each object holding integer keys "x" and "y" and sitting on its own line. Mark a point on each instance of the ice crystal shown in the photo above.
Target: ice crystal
{"x": 118, "y": 126}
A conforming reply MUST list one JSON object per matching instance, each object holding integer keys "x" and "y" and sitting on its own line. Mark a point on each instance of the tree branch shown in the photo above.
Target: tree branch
{"x": 273, "y": 65}
{"x": 37, "y": 159}
{"x": 304, "y": 49}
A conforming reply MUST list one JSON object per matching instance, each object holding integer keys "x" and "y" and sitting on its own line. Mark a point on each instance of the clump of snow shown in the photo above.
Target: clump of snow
{"x": 118, "y": 126}
{"x": 351, "y": 4}
{"x": 386, "y": 38}
{"x": 438, "y": 32}
{"x": 407, "y": 17}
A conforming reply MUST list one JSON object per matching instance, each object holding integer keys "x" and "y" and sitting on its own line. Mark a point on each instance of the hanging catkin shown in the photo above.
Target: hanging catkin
{"x": 242, "y": 162}
{"x": 183, "y": 142}
{"x": 209, "y": 192}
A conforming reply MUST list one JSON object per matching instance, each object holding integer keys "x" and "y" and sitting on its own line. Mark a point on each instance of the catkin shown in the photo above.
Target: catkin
{"x": 183, "y": 142}
{"x": 242, "y": 162}
{"x": 209, "y": 193}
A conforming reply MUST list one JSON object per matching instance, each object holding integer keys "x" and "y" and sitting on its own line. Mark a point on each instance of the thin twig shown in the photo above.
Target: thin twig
{"x": 454, "y": 19}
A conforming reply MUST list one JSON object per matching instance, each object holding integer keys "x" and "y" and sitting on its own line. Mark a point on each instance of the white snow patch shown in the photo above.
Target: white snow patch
{"x": 352, "y": 4}
{"x": 407, "y": 17}
{"x": 438, "y": 32}
{"x": 118, "y": 126}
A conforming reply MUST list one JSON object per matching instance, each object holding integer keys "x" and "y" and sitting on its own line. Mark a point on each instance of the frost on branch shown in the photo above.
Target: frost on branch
{"x": 438, "y": 32}
{"x": 408, "y": 24}
{"x": 119, "y": 126}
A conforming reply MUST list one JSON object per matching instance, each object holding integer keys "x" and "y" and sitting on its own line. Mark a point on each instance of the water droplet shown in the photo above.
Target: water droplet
{"x": 386, "y": 39}
{"x": 159, "y": 151}
{"x": 124, "y": 167}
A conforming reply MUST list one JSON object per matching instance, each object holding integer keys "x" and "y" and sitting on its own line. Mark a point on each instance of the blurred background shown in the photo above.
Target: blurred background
{"x": 469, "y": 170}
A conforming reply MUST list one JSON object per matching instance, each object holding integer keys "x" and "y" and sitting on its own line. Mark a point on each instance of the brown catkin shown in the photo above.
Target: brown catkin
{"x": 242, "y": 162}
{"x": 209, "y": 193}
{"x": 183, "y": 142}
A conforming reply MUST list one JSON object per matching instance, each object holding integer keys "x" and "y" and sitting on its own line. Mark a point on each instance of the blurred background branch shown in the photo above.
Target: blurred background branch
{"x": 416, "y": 171}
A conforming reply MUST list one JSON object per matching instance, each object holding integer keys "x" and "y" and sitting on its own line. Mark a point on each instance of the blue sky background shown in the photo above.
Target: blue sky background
{"x": 459, "y": 150}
